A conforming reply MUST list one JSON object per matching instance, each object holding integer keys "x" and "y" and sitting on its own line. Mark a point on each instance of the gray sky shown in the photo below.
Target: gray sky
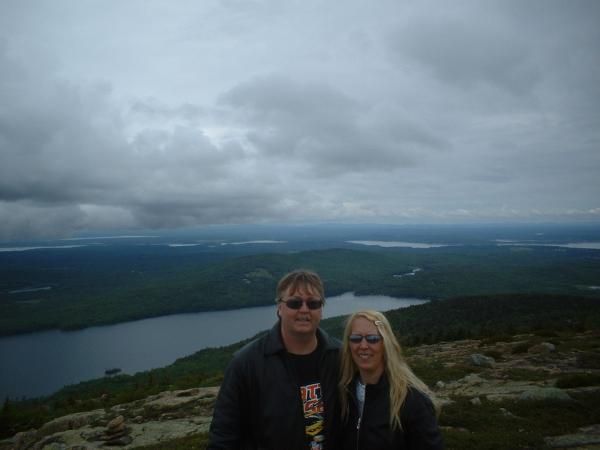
{"x": 144, "y": 113}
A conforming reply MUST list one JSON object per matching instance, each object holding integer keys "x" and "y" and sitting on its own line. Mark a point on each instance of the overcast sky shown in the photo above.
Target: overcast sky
{"x": 126, "y": 114}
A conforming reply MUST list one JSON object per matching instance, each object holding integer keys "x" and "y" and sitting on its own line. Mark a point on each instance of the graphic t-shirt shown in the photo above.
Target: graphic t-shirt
{"x": 307, "y": 376}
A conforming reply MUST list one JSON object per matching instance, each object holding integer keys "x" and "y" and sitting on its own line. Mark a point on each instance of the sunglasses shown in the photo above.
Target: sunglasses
{"x": 296, "y": 303}
{"x": 370, "y": 338}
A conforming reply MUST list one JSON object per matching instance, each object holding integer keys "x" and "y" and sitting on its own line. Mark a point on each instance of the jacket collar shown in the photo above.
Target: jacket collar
{"x": 382, "y": 383}
{"x": 274, "y": 342}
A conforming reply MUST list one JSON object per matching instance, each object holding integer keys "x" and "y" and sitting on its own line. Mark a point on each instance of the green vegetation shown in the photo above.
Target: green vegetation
{"x": 514, "y": 425}
{"x": 524, "y": 427}
{"x": 469, "y": 317}
{"x": 578, "y": 380}
{"x": 195, "y": 442}
{"x": 86, "y": 293}
{"x": 431, "y": 371}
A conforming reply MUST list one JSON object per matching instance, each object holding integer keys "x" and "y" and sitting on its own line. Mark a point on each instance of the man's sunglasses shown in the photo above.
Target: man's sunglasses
{"x": 370, "y": 338}
{"x": 296, "y": 303}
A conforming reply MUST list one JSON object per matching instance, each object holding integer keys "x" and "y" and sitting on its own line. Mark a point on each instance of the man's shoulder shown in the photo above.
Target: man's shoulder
{"x": 251, "y": 348}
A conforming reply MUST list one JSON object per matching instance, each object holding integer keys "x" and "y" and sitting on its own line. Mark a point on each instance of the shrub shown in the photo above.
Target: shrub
{"x": 588, "y": 360}
{"x": 493, "y": 354}
{"x": 521, "y": 348}
{"x": 495, "y": 339}
{"x": 194, "y": 442}
{"x": 578, "y": 380}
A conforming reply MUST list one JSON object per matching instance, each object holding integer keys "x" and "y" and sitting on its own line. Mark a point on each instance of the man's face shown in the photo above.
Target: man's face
{"x": 303, "y": 321}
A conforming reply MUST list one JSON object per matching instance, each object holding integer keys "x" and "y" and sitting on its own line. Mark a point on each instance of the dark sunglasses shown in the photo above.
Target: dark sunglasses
{"x": 296, "y": 303}
{"x": 370, "y": 338}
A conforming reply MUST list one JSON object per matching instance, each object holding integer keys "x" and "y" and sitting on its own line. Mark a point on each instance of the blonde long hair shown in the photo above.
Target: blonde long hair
{"x": 399, "y": 374}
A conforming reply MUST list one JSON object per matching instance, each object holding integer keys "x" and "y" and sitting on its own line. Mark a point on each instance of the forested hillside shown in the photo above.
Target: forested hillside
{"x": 217, "y": 281}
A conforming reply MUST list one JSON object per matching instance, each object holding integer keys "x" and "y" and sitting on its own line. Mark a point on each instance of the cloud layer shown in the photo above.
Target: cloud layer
{"x": 152, "y": 114}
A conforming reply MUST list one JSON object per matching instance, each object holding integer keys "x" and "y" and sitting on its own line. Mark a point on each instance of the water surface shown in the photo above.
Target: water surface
{"x": 38, "y": 364}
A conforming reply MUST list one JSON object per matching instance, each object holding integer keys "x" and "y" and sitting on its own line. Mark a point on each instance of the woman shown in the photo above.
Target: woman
{"x": 384, "y": 405}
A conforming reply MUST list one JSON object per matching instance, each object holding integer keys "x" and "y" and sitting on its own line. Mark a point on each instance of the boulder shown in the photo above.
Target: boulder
{"x": 506, "y": 413}
{"x": 24, "y": 439}
{"x": 117, "y": 423}
{"x": 545, "y": 393}
{"x": 477, "y": 359}
{"x": 69, "y": 422}
{"x": 472, "y": 379}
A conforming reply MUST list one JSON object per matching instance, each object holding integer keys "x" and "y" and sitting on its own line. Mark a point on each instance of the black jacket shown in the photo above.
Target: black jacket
{"x": 259, "y": 404}
{"x": 419, "y": 431}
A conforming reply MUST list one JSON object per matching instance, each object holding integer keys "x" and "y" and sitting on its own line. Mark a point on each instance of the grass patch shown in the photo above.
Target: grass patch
{"x": 588, "y": 360}
{"x": 494, "y": 354}
{"x": 432, "y": 371}
{"x": 578, "y": 380}
{"x": 517, "y": 374}
{"x": 470, "y": 428}
{"x": 493, "y": 340}
{"x": 516, "y": 424}
{"x": 590, "y": 343}
{"x": 194, "y": 442}
{"x": 521, "y": 348}
{"x": 546, "y": 333}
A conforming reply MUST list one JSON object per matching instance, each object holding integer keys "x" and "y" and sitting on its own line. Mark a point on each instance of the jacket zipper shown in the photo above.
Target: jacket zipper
{"x": 358, "y": 432}
{"x": 360, "y": 415}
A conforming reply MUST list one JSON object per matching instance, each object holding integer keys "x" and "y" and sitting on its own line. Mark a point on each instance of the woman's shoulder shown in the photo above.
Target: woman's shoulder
{"x": 420, "y": 421}
{"x": 417, "y": 400}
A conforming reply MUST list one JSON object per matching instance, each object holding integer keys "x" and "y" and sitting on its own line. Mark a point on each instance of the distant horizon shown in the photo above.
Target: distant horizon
{"x": 145, "y": 233}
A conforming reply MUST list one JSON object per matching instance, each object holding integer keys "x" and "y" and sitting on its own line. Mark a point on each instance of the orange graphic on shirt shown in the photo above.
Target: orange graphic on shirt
{"x": 311, "y": 399}
{"x": 314, "y": 408}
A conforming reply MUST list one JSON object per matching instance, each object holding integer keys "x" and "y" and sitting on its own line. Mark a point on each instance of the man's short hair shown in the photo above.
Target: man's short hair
{"x": 299, "y": 279}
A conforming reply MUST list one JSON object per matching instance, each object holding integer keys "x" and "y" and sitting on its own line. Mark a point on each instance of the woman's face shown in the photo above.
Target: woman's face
{"x": 368, "y": 357}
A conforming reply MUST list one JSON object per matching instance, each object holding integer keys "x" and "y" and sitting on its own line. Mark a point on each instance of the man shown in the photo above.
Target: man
{"x": 278, "y": 392}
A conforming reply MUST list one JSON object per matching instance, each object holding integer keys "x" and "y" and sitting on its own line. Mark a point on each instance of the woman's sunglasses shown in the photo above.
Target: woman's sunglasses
{"x": 370, "y": 338}
{"x": 296, "y": 303}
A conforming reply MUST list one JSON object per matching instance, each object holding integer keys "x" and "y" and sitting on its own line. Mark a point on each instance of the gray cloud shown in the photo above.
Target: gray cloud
{"x": 143, "y": 114}
{"x": 317, "y": 125}
{"x": 153, "y": 109}
{"x": 467, "y": 53}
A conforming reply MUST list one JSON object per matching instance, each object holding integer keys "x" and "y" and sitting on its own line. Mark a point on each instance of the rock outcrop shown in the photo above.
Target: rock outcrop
{"x": 158, "y": 418}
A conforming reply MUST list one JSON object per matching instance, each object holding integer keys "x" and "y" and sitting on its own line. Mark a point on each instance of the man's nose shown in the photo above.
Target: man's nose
{"x": 304, "y": 306}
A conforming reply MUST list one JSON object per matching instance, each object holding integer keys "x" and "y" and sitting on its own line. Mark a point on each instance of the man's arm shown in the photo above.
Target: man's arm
{"x": 226, "y": 428}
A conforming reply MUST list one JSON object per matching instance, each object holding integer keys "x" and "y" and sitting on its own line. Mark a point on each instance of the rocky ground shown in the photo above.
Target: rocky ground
{"x": 158, "y": 418}
{"x": 493, "y": 378}
{"x": 486, "y": 373}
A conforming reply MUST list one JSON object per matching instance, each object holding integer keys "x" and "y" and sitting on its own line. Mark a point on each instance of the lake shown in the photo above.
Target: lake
{"x": 39, "y": 364}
